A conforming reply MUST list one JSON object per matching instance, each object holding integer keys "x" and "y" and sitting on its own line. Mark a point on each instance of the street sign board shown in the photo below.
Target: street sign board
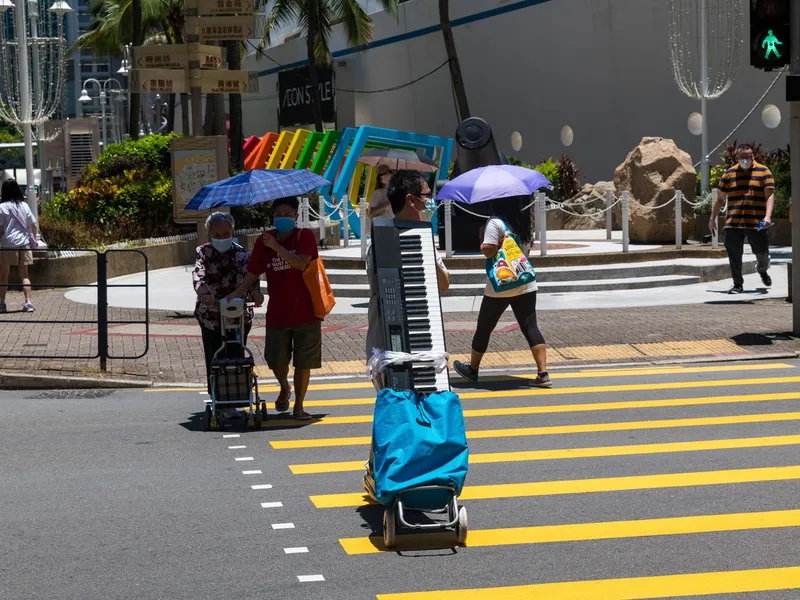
{"x": 196, "y": 162}
{"x": 220, "y": 29}
{"x": 224, "y": 7}
{"x": 226, "y": 82}
{"x": 159, "y": 81}
{"x": 177, "y": 56}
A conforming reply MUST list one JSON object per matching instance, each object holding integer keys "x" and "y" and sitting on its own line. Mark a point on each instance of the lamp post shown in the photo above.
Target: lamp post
{"x": 23, "y": 109}
{"x": 86, "y": 98}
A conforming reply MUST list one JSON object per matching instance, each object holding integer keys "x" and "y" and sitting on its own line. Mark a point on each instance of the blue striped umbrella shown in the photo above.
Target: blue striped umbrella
{"x": 256, "y": 187}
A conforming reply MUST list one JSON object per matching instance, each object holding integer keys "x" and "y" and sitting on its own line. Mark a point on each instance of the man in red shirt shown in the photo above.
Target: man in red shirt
{"x": 293, "y": 331}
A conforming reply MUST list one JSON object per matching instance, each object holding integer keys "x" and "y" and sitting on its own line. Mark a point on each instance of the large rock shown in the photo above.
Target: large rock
{"x": 651, "y": 173}
{"x": 587, "y": 208}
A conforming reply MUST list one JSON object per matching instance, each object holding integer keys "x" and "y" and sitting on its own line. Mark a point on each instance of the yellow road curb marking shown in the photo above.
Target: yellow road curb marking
{"x": 573, "y": 453}
{"x": 588, "y": 486}
{"x": 581, "y": 532}
{"x": 559, "y": 429}
{"x": 582, "y": 374}
{"x": 633, "y": 588}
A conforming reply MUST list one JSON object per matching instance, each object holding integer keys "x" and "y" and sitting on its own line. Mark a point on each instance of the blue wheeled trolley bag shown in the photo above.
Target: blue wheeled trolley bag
{"x": 234, "y": 383}
{"x": 420, "y": 460}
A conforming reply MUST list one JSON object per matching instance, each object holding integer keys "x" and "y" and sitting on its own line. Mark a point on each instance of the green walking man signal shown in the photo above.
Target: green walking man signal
{"x": 771, "y": 43}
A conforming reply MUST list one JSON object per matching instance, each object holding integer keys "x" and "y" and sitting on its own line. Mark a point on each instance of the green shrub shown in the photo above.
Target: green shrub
{"x": 153, "y": 149}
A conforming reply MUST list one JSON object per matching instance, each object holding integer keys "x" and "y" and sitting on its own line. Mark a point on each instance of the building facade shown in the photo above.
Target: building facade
{"x": 601, "y": 67}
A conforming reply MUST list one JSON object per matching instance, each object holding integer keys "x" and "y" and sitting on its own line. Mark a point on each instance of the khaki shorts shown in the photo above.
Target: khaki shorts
{"x": 12, "y": 256}
{"x": 303, "y": 343}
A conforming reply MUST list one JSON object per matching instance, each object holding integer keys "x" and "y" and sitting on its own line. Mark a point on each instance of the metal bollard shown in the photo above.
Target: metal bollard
{"x": 362, "y": 214}
{"x": 715, "y": 233}
{"x": 542, "y": 204}
{"x": 625, "y": 220}
{"x": 448, "y": 228}
{"x": 306, "y": 214}
{"x": 678, "y": 219}
{"x": 321, "y": 221}
{"x": 345, "y": 205}
{"x": 609, "y": 215}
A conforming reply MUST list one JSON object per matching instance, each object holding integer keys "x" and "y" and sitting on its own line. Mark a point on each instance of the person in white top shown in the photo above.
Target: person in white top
{"x": 18, "y": 227}
{"x": 522, "y": 300}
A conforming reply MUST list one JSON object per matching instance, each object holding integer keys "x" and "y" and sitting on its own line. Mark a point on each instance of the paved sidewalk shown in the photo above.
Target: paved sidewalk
{"x": 574, "y": 336}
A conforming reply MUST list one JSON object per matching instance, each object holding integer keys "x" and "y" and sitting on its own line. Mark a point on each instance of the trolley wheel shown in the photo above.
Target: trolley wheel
{"x": 389, "y": 527}
{"x": 462, "y": 526}
{"x": 264, "y": 411}
{"x": 208, "y": 419}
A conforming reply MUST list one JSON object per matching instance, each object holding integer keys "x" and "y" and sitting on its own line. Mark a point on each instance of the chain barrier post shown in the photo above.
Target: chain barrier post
{"x": 306, "y": 215}
{"x": 609, "y": 215}
{"x": 321, "y": 219}
{"x": 362, "y": 215}
{"x": 448, "y": 228}
{"x": 532, "y": 215}
{"x": 625, "y": 220}
{"x": 102, "y": 309}
{"x": 345, "y": 204}
{"x": 715, "y": 233}
{"x": 678, "y": 219}
{"x": 542, "y": 201}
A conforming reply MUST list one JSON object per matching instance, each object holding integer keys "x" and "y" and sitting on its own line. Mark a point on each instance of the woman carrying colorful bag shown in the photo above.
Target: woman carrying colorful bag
{"x": 512, "y": 282}
{"x": 285, "y": 255}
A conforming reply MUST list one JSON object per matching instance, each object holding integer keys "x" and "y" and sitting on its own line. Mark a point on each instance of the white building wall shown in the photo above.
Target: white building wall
{"x": 599, "y": 66}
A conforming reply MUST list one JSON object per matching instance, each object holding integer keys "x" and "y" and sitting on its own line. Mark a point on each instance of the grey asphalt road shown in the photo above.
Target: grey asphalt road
{"x": 120, "y": 494}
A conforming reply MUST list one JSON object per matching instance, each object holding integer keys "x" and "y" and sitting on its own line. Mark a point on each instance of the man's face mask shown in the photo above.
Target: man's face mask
{"x": 746, "y": 163}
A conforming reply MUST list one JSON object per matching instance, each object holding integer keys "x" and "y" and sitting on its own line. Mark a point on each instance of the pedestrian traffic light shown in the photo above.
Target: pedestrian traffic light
{"x": 769, "y": 34}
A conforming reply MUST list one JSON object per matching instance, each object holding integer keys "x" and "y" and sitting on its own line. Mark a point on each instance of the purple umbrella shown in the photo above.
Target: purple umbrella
{"x": 493, "y": 182}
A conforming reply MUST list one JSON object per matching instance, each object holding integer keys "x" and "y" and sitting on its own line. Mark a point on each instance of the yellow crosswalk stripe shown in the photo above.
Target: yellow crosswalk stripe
{"x": 634, "y": 588}
{"x": 587, "y": 486}
{"x": 581, "y": 532}
{"x": 559, "y": 429}
{"x": 584, "y": 407}
{"x": 572, "y": 453}
{"x": 561, "y": 391}
{"x": 582, "y": 374}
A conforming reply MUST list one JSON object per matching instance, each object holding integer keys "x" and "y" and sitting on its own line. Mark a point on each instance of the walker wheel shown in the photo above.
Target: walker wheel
{"x": 389, "y": 528}
{"x": 462, "y": 526}
{"x": 208, "y": 419}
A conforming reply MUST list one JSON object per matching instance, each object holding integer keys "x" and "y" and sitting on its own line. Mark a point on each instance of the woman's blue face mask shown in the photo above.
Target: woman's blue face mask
{"x": 284, "y": 224}
{"x": 222, "y": 245}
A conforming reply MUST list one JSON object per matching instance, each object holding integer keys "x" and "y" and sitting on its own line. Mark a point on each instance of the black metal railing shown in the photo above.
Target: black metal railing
{"x": 101, "y": 321}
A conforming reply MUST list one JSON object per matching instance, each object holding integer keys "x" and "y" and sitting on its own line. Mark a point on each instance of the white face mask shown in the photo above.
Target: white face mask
{"x": 746, "y": 163}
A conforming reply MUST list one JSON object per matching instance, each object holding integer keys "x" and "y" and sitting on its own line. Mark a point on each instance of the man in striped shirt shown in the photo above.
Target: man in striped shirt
{"x": 750, "y": 190}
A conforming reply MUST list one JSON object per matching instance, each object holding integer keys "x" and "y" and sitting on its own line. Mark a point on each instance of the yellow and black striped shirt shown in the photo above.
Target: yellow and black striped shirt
{"x": 747, "y": 201}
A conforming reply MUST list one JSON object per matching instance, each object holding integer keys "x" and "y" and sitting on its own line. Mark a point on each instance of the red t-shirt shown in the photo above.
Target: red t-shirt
{"x": 289, "y": 300}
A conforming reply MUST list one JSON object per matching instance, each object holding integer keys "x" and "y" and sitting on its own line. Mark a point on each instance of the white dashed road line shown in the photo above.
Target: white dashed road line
{"x": 272, "y": 505}
{"x": 262, "y": 486}
{"x": 309, "y": 578}
{"x": 236, "y": 447}
{"x": 300, "y": 550}
{"x": 230, "y": 435}
{"x": 243, "y": 458}
{"x": 255, "y": 472}
{"x": 283, "y": 525}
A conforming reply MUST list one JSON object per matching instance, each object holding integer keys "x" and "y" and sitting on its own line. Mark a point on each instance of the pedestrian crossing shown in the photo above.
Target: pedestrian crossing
{"x": 637, "y": 487}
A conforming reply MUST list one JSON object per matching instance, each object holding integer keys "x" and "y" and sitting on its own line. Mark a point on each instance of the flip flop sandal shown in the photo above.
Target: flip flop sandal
{"x": 282, "y": 405}
{"x": 304, "y": 416}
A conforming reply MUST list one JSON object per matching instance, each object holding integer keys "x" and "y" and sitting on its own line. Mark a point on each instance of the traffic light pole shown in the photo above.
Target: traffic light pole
{"x": 794, "y": 140}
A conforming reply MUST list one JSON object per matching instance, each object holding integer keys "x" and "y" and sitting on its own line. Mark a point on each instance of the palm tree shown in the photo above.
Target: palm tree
{"x": 317, "y": 18}
{"x": 452, "y": 59}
